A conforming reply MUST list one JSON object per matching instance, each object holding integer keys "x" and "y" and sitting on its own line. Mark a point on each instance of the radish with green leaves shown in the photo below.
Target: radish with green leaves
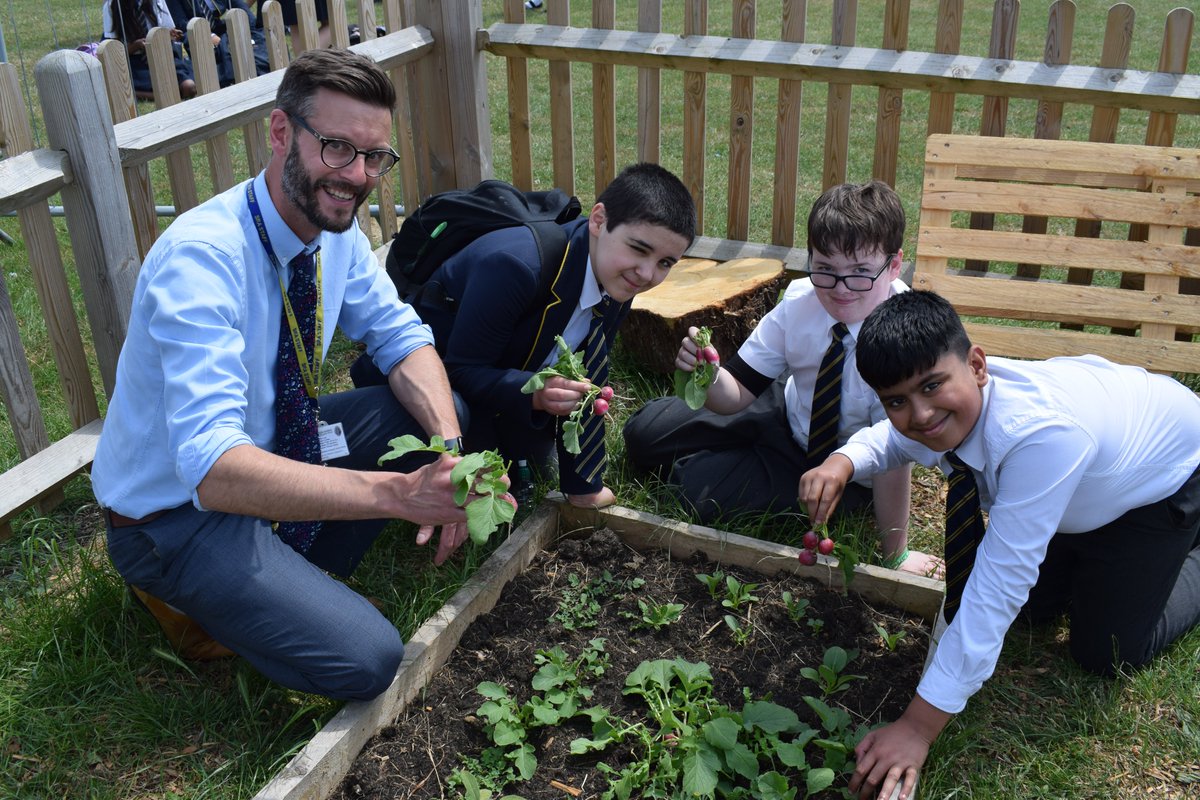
{"x": 597, "y": 399}
{"x": 693, "y": 386}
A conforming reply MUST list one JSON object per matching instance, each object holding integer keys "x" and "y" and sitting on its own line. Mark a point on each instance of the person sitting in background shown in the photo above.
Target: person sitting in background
{"x": 130, "y": 21}
{"x": 183, "y": 11}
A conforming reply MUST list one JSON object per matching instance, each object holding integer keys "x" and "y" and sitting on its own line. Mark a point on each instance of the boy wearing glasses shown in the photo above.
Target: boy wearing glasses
{"x": 231, "y": 484}
{"x": 759, "y": 430}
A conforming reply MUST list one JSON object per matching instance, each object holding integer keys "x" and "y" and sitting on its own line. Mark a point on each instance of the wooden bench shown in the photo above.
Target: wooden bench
{"x": 1058, "y": 248}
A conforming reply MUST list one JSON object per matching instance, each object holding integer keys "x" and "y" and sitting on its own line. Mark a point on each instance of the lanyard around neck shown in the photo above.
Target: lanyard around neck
{"x": 310, "y": 371}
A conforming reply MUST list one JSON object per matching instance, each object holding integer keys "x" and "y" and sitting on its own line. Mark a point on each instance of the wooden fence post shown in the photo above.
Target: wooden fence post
{"x": 75, "y": 107}
{"x": 451, "y": 95}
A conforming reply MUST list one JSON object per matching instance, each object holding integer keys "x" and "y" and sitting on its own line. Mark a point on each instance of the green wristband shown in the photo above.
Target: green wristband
{"x": 896, "y": 561}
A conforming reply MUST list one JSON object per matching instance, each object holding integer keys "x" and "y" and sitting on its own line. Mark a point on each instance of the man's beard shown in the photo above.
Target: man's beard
{"x": 302, "y": 191}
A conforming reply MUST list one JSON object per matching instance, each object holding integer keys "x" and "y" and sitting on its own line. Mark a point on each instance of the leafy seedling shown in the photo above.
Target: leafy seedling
{"x": 655, "y": 615}
{"x": 712, "y": 582}
{"x": 693, "y": 386}
{"x": 830, "y": 676}
{"x": 479, "y": 473}
{"x": 597, "y": 400}
{"x": 738, "y": 594}
{"x": 796, "y": 607}
{"x": 890, "y": 640}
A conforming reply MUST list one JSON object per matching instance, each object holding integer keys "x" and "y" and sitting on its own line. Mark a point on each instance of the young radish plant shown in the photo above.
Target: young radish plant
{"x": 693, "y": 386}
{"x": 478, "y": 473}
{"x": 597, "y": 400}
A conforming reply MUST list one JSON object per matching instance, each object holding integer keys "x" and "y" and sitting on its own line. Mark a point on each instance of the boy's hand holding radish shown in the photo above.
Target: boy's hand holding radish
{"x": 697, "y": 364}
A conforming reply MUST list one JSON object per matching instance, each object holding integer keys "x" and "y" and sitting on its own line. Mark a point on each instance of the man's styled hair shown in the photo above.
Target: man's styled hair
{"x": 340, "y": 71}
{"x": 856, "y": 217}
{"x": 907, "y": 334}
{"x": 649, "y": 193}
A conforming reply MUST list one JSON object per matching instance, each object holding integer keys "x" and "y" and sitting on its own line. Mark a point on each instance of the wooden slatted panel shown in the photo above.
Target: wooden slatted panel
{"x": 306, "y": 32}
{"x": 204, "y": 67}
{"x": 46, "y": 264}
{"x": 695, "y": 90}
{"x": 787, "y": 140}
{"x": 837, "y": 104}
{"x": 1154, "y": 307}
{"x": 946, "y": 41}
{"x": 741, "y": 131}
{"x": 276, "y": 33}
{"x": 649, "y": 89}
{"x": 604, "y": 104}
{"x": 517, "y": 75}
{"x": 1114, "y": 54}
{"x": 890, "y": 106}
{"x": 558, "y": 12}
{"x": 136, "y": 177}
{"x": 1048, "y": 122}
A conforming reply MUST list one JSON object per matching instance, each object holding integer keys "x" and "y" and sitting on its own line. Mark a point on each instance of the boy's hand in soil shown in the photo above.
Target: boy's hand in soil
{"x": 821, "y": 487}
{"x": 560, "y": 396}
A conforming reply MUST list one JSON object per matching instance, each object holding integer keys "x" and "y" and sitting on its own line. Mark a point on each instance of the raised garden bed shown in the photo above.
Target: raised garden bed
{"x": 319, "y": 769}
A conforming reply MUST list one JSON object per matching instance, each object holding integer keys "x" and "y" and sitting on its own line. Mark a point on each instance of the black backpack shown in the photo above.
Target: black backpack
{"x": 448, "y": 222}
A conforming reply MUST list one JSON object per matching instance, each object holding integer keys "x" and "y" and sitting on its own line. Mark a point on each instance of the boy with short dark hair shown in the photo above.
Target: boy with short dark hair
{"x": 502, "y": 325}
{"x": 791, "y": 394}
{"x": 1088, "y": 469}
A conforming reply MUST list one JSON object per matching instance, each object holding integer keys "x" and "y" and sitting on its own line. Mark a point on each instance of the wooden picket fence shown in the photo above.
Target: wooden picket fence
{"x": 100, "y": 151}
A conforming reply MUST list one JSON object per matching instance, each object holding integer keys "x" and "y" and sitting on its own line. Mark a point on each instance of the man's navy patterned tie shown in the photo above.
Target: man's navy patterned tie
{"x": 295, "y": 412}
{"x": 592, "y": 459}
{"x": 827, "y": 400}
{"x": 964, "y": 530}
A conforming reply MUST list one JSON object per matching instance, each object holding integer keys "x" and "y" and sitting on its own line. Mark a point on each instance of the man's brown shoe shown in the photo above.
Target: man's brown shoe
{"x": 189, "y": 639}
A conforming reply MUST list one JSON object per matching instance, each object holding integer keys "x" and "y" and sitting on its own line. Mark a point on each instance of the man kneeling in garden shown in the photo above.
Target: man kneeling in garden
{"x": 220, "y": 513}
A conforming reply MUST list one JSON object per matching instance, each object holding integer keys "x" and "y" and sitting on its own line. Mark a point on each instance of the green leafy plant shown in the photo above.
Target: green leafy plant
{"x": 848, "y": 558}
{"x": 816, "y": 624}
{"x": 738, "y": 594}
{"x": 796, "y": 607}
{"x": 741, "y": 632}
{"x": 694, "y": 746}
{"x": 579, "y": 603}
{"x": 655, "y": 615}
{"x": 479, "y": 473}
{"x": 829, "y": 676}
{"x": 693, "y": 386}
{"x": 559, "y": 695}
{"x": 890, "y": 640}
{"x": 712, "y": 582}
{"x": 595, "y": 401}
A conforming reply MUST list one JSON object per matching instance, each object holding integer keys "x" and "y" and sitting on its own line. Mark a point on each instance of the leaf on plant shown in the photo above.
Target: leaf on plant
{"x": 721, "y": 733}
{"x": 486, "y": 514}
{"x": 402, "y": 446}
{"x": 524, "y": 760}
{"x": 770, "y": 717}
{"x": 700, "y": 772}
{"x": 742, "y": 760}
{"x": 571, "y": 430}
{"x": 819, "y": 780}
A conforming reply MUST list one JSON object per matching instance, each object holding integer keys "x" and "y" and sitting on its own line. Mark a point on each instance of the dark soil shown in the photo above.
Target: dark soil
{"x": 415, "y": 756}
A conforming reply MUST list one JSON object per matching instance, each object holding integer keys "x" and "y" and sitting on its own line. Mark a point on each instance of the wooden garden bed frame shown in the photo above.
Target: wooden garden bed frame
{"x": 319, "y": 767}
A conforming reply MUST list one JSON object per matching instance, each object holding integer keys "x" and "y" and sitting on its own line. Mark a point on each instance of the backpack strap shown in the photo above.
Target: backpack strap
{"x": 551, "y": 242}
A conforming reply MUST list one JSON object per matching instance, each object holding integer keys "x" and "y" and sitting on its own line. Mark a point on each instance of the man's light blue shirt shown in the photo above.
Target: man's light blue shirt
{"x": 196, "y": 375}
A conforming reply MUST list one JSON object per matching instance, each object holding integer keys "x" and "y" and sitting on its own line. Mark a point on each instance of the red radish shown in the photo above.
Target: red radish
{"x": 599, "y": 406}
{"x": 825, "y": 546}
{"x": 807, "y": 557}
{"x": 810, "y": 540}
{"x": 607, "y": 393}
{"x": 710, "y": 354}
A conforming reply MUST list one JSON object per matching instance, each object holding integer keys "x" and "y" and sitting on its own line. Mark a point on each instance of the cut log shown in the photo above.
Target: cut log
{"x": 731, "y": 297}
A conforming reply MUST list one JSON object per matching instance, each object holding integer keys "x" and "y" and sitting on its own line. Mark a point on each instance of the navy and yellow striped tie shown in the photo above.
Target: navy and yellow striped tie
{"x": 827, "y": 400}
{"x": 964, "y": 530}
{"x": 592, "y": 459}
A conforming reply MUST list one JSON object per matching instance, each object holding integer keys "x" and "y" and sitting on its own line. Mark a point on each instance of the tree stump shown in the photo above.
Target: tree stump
{"x": 731, "y": 297}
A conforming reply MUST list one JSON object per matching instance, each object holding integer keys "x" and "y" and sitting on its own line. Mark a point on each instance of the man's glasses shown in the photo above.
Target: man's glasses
{"x": 855, "y": 283}
{"x": 338, "y": 153}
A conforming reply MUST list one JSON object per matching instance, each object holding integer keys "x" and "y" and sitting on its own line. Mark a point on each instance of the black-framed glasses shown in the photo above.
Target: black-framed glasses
{"x": 338, "y": 153}
{"x": 855, "y": 283}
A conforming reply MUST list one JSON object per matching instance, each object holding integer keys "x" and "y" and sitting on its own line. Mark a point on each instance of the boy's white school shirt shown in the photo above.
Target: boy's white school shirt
{"x": 1064, "y": 445}
{"x": 793, "y": 338}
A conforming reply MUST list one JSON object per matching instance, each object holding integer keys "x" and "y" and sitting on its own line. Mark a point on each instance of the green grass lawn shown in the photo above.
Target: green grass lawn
{"x": 92, "y": 704}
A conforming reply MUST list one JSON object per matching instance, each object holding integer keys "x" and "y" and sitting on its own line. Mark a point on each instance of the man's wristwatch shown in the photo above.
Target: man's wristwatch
{"x": 454, "y": 445}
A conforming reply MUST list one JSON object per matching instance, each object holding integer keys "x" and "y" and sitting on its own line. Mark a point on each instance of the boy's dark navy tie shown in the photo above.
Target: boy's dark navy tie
{"x": 964, "y": 530}
{"x": 827, "y": 400}
{"x": 295, "y": 412}
{"x": 592, "y": 459}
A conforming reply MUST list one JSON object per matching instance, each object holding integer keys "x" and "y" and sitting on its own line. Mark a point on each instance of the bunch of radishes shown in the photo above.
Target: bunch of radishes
{"x": 692, "y": 386}
{"x": 570, "y": 366}
{"x": 814, "y": 543}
